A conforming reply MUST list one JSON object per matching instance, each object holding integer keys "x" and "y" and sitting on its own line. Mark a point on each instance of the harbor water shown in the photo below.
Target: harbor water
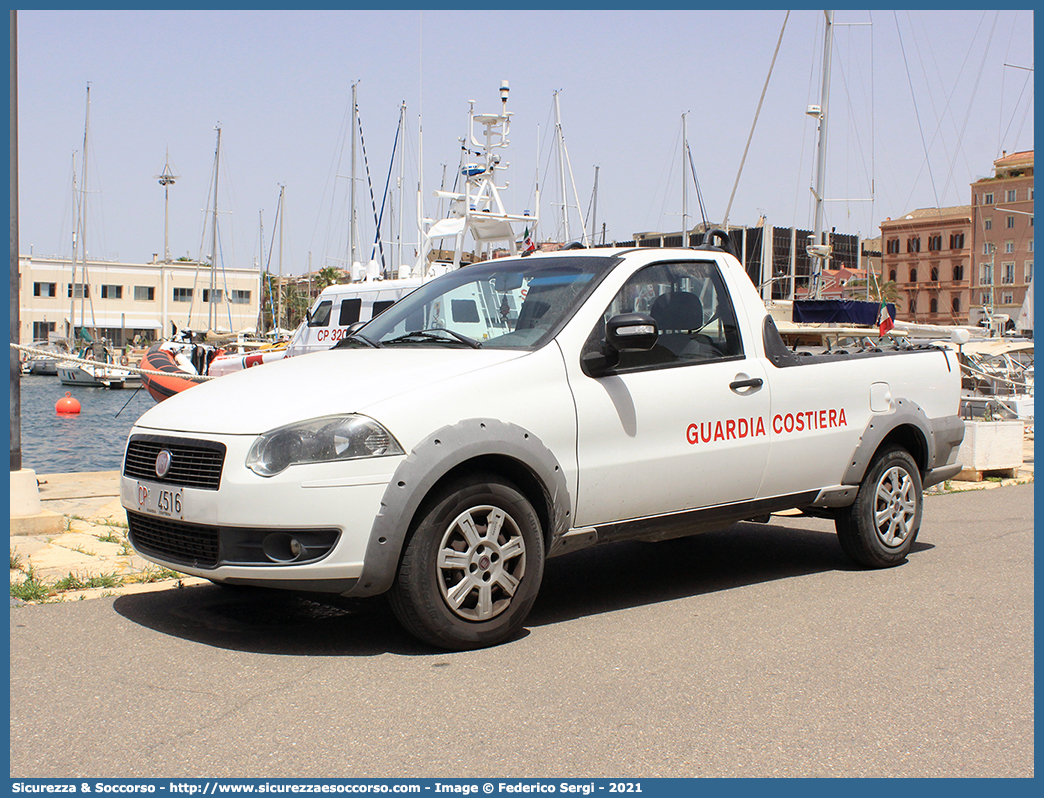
{"x": 92, "y": 440}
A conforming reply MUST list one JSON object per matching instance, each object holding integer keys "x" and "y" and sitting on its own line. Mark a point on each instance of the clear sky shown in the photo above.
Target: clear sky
{"x": 921, "y": 104}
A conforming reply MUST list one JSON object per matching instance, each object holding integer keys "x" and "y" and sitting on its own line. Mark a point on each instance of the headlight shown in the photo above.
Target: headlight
{"x": 320, "y": 440}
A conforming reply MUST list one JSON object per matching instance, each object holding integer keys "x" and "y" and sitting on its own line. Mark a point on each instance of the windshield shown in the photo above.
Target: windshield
{"x": 509, "y": 303}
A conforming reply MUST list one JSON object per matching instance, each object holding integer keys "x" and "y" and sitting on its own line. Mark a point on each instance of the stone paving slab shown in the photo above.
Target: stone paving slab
{"x": 79, "y": 485}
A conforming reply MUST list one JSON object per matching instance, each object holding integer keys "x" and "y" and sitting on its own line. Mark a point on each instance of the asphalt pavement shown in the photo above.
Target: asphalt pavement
{"x": 756, "y": 651}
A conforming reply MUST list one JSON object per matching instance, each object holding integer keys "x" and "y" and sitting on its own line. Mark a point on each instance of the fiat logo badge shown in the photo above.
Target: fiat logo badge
{"x": 163, "y": 460}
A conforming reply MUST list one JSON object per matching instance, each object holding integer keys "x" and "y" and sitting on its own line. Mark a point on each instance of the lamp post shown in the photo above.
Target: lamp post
{"x": 166, "y": 179}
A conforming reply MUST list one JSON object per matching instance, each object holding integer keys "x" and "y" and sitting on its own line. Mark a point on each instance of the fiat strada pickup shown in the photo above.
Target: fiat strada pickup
{"x": 524, "y": 408}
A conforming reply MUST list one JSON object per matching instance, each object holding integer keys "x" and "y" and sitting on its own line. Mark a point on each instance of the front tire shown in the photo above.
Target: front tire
{"x": 879, "y": 529}
{"x": 471, "y": 570}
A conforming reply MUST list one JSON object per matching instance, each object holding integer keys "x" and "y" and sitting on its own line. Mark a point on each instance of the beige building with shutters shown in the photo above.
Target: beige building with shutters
{"x": 124, "y": 302}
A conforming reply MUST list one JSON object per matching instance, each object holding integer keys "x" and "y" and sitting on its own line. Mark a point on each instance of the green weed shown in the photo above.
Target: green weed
{"x": 39, "y": 590}
{"x": 154, "y": 574}
{"x": 111, "y": 537}
{"x": 115, "y": 533}
{"x": 74, "y": 582}
{"x": 32, "y": 589}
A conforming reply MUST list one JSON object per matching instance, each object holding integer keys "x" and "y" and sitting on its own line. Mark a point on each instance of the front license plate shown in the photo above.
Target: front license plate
{"x": 158, "y": 500}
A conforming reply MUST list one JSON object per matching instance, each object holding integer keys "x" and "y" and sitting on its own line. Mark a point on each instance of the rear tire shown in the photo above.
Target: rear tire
{"x": 880, "y": 527}
{"x": 471, "y": 570}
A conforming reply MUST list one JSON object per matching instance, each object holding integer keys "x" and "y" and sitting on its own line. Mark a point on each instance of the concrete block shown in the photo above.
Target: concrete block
{"x": 25, "y": 493}
{"x": 44, "y": 522}
{"x": 990, "y": 446}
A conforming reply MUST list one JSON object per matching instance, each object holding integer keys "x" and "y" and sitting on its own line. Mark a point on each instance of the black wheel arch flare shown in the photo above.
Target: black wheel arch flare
{"x": 483, "y": 445}
{"x": 907, "y": 426}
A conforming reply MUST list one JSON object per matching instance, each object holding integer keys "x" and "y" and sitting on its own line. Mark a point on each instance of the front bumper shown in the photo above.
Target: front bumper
{"x": 304, "y": 529}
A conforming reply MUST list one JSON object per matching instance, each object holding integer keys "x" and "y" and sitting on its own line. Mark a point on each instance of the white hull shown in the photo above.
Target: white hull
{"x": 100, "y": 376}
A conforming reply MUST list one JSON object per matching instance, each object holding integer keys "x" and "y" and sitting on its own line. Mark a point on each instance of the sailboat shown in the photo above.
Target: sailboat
{"x": 814, "y": 320}
{"x": 564, "y": 167}
{"x": 96, "y": 364}
{"x": 997, "y": 372}
{"x": 475, "y": 213}
{"x": 227, "y": 362}
{"x": 184, "y": 359}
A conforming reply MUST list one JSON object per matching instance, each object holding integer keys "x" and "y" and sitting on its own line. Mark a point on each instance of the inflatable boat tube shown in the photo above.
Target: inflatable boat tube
{"x": 173, "y": 380}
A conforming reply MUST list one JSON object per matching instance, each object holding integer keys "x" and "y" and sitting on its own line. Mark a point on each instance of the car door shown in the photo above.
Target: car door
{"x": 681, "y": 426}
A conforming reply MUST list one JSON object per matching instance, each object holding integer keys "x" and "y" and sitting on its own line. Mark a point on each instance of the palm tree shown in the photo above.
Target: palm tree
{"x": 327, "y": 276}
{"x": 285, "y": 296}
{"x": 888, "y": 290}
{"x": 295, "y": 305}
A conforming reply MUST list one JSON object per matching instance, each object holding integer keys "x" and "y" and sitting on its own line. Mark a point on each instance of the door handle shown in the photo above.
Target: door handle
{"x": 752, "y": 382}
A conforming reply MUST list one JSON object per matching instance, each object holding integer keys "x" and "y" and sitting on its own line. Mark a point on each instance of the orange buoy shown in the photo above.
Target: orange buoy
{"x": 67, "y": 406}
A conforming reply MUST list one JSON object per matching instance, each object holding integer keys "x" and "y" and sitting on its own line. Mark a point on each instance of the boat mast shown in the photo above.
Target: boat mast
{"x": 685, "y": 186}
{"x": 820, "y": 250}
{"x": 353, "y": 228}
{"x": 594, "y": 207}
{"x": 83, "y": 207}
{"x": 420, "y": 185}
{"x": 282, "y": 213}
{"x": 211, "y": 310}
{"x": 261, "y": 274}
{"x": 75, "y": 236}
{"x": 402, "y": 166}
{"x": 561, "y": 169}
{"x": 536, "y": 181}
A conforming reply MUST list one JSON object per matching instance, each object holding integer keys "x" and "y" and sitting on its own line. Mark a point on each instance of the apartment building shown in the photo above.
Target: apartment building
{"x": 124, "y": 302}
{"x": 1002, "y": 238}
{"x": 927, "y": 254}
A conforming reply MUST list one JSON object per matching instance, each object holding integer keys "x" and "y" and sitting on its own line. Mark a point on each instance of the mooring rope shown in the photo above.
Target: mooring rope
{"x": 133, "y": 369}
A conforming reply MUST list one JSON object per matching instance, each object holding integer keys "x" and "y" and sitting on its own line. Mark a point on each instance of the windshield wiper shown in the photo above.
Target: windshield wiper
{"x": 425, "y": 336}
{"x": 350, "y": 338}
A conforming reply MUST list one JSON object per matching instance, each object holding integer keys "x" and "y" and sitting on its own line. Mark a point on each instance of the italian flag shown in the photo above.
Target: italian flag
{"x": 884, "y": 320}
{"x": 527, "y": 242}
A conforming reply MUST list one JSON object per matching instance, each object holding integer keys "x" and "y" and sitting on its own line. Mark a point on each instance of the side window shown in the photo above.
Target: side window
{"x": 381, "y": 306}
{"x": 464, "y": 311}
{"x": 321, "y": 316}
{"x": 349, "y": 313}
{"x": 692, "y": 310}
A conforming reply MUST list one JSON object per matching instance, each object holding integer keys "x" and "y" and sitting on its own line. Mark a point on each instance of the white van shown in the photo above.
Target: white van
{"x": 339, "y": 306}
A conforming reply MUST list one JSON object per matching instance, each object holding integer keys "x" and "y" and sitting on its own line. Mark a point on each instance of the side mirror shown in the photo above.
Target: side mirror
{"x": 626, "y": 332}
{"x": 631, "y": 332}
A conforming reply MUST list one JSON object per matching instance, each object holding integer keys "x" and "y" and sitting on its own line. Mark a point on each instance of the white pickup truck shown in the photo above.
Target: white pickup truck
{"x": 525, "y": 408}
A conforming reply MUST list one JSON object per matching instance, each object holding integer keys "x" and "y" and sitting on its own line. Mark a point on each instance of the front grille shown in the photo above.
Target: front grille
{"x": 193, "y": 464}
{"x": 176, "y": 541}
{"x": 207, "y": 546}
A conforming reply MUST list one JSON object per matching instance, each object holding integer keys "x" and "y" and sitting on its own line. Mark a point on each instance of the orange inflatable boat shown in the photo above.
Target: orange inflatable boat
{"x": 174, "y": 378}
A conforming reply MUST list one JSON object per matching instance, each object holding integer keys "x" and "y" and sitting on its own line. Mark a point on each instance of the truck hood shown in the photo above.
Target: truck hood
{"x": 309, "y": 386}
